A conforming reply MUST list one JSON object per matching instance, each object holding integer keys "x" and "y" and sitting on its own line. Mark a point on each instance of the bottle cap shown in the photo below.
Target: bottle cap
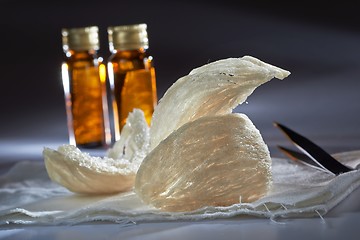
{"x": 80, "y": 39}
{"x": 128, "y": 37}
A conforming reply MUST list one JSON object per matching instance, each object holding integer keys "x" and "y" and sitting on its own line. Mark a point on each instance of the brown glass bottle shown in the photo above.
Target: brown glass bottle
{"x": 131, "y": 73}
{"x": 85, "y": 88}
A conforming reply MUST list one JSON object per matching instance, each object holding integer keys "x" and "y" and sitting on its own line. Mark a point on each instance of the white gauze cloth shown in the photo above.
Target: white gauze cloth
{"x": 27, "y": 196}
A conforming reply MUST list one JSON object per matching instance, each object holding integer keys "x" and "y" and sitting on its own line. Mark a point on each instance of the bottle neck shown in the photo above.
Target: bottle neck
{"x": 81, "y": 55}
{"x": 130, "y": 54}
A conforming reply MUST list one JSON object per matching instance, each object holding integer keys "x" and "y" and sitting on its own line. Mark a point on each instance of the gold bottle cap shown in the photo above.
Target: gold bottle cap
{"x": 128, "y": 37}
{"x": 80, "y": 39}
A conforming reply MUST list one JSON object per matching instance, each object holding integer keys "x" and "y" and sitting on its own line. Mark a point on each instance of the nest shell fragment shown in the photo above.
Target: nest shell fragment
{"x": 213, "y": 89}
{"x": 212, "y": 161}
{"x": 81, "y": 173}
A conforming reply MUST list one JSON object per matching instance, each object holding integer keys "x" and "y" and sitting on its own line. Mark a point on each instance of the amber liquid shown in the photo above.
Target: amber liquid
{"x": 134, "y": 84}
{"x": 85, "y": 86}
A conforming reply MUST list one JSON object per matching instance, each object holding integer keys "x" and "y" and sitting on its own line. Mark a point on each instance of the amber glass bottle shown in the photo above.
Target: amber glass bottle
{"x": 85, "y": 89}
{"x": 131, "y": 73}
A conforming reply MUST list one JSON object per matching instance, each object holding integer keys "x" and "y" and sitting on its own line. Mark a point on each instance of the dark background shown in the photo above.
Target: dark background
{"x": 318, "y": 42}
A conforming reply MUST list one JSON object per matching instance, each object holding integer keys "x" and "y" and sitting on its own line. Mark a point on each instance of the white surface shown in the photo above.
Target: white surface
{"x": 29, "y": 197}
{"x": 341, "y": 223}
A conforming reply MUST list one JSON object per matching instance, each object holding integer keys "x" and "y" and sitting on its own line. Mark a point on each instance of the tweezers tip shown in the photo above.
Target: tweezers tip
{"x": 279, "y": 125}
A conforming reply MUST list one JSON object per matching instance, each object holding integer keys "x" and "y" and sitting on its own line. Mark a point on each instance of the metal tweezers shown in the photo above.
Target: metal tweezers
{"x": 310, "y": 154}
